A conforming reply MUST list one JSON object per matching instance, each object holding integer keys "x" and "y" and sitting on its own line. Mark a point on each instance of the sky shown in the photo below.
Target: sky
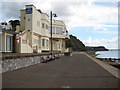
{"x": 94, "y": 22}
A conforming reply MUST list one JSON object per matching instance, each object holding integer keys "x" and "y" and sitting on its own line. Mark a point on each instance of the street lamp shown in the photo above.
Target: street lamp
{"x": 51, "y": 15}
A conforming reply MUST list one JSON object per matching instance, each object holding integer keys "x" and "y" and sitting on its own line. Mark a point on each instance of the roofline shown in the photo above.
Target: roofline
{"x": 22, "y": 10}
{"x": 45, "y": 14}
{"x": 9, "y": 31}
{"x": 30, "y": 5}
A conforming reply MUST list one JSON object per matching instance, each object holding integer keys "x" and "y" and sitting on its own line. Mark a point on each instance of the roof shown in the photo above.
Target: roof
{"x": 9, "y": 31}
{"x": 30, "y": 5}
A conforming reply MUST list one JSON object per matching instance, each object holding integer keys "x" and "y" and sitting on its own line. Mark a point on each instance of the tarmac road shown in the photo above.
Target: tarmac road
{"x": 76, "y": 71}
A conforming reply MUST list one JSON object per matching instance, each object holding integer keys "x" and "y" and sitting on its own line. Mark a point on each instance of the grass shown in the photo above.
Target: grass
{"x": 94, "y": 55}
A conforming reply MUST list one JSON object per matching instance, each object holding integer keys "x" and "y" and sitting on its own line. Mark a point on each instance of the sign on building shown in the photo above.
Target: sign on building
{"x": 28, "y": 10}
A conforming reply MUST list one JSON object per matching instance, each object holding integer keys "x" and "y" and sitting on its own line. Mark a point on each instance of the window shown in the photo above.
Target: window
{"x": 8, "y": 43}
{"x": 43, "y": 42}
{"x": 0, "y": 43}
{"x": 53, "y": 30}
{"x": 38, "y": 23}
{"x": 28, "y": 19}
{"x": 47, "y": 27}
{"x": 47, "y": 43}
{"x": 59, "y": 45}
{"x": 43, "y": 25}
{"x": 59, "y": 30}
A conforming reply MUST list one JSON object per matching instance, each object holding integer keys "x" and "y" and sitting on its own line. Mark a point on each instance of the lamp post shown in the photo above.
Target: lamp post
{"x": 51, "y": 15}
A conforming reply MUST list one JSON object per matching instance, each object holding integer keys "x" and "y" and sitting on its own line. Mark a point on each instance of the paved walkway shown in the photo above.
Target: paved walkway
{"x": 76, "y": 71}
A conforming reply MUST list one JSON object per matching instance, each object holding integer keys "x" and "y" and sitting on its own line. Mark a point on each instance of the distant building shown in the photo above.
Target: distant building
{"x": 35, "y": 32}
{"x": 7, "y": 38}
{"x": 6, "y": 25}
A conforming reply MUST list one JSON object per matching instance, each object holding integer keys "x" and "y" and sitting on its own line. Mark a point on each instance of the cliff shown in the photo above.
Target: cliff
{"x": 75, "y": 44}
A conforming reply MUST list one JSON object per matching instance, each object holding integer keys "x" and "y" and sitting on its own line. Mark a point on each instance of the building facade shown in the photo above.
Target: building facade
{"x": 35, "y": 32}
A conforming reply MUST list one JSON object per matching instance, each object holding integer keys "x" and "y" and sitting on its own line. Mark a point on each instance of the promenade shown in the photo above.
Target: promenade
{"x": 76, "y": 71}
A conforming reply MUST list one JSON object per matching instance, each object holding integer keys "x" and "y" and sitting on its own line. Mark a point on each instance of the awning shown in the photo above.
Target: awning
{"x": 9, "y": 31}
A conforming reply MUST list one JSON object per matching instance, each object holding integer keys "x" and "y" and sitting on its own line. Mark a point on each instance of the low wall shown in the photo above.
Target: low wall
{"x": 13, "y": 62}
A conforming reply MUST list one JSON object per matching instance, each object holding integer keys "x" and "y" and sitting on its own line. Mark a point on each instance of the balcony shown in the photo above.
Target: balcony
{"x": 60, "y": 36}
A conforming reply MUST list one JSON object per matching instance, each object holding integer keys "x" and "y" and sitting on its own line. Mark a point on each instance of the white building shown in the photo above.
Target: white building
{"x": 35, "y": 32}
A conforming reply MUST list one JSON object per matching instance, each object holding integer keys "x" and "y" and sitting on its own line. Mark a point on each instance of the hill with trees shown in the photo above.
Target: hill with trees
{"x": 75, "y": 44}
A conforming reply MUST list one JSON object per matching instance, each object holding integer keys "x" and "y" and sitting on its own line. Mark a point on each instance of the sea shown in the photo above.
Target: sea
{"x": 112, "y": 53}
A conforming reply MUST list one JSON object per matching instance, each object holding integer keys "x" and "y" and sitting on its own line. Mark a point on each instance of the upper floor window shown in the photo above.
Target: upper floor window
{"x": 53, "y": 30}
{"x": 28, "y": 19}
{"x": 59, "y": 30}
{"x": 43, "y": 25}
{"x": 38, "y": 23}
{"x": 47, "y": 26}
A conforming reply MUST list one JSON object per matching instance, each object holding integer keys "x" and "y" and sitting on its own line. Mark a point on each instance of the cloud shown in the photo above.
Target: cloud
{"x": 93, "y": 16}
{"x": 11, "y": 10}
{"x": 60, "y": 0}
{"x": 73, "y": 13}
{"x": 108, "y": 43}
{"x": 105, "y": 30}
{"x": 76, "y": 14}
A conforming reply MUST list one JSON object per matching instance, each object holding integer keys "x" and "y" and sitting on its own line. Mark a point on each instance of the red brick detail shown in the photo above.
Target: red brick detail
{"x": 24, "y": 41}
{"x": 30, "y": 45}
{"x": 21, "y": 34}
{"x": 36, "y": 34}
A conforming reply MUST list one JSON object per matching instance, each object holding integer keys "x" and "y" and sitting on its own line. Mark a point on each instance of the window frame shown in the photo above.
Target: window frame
{"x": 43, "y": 25}
{"x": 59, "y": 30}
{"x": 59, "y": 46}
{"x": 11, "y": 43}
{"x": 43, "y": 42}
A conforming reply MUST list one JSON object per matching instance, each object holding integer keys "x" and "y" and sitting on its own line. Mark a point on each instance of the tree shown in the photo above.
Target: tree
{"x": 14, "y": 23}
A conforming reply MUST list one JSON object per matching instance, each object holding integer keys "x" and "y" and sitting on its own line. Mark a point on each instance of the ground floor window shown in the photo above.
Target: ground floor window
{"x": 9, "y": 43}
{"x": 59, "y": 45}
{"x": 0, "y": 43}
{"x": 43, "y": 42}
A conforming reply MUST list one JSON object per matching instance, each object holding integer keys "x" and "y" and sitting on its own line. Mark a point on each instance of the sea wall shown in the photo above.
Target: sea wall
{"x": 13, "y": 63}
